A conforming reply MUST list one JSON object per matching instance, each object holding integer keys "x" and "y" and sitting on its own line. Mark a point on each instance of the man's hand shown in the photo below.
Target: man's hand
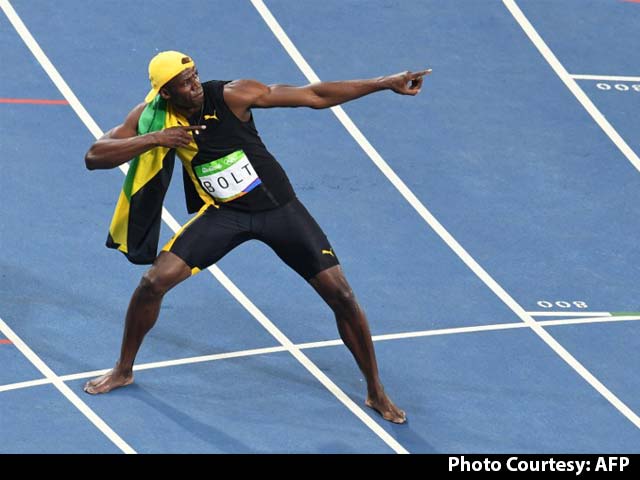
{"x": 407, "y": 83}
{"x": 122, "y": 143}
{"x": 176, "y": 137}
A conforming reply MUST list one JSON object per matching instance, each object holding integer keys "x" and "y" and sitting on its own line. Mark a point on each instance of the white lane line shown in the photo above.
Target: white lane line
{"x": 305, "y": 361}
{"x": 606, "y": 78}
{"x": 424, "y": 333}
{"x": 181, "y": 361}
{"x": 479, "y": 328}
{"x": 64, "y": 389}
{"x": 571, "y": 84}
{"x": 326, "y": 343}
{"x": 19, "y": 385}
{"x": 613, "y": 135}
{"x": 175, "y": 226}
{"x": 57, "y": 79}
{"x": 547, "y": 313}
{"x": 68, "y": 94}
{"x": 584, "y": 321}
{"x": 293, "y": 349}
{"x": 306, "y": 69}
{"x": 149, "y": 366}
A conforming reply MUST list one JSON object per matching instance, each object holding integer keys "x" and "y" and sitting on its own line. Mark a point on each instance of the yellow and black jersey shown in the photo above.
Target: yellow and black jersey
{"x": 226, "y": 164}
{"x": 231, "y": 165}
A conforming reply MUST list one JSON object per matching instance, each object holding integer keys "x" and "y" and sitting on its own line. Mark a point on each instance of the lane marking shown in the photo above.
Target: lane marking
{"x": 30, "y": 42}
{"x": 566, "y": 313}
{"x": 64, "y": 389}
{"x": 613, "y": 135}
{"x": 48, "y": 67}
{"x": 181, "y": 361}
{"x": 174, "y": 225}
{"x": 327, "y": 343}
{"x": 584, "y": 321}
{"x": 293, "y": 349}
{"x": 571, "y": 84}
{"x": 27, "y": 384}
{"x": 377, "y": 159}
{"x": 610, "y": 78}
{"x": 479, "y": 328}
{"x": 547, "y": 313}
{"x": 306, "y": 362}
{"x": 33, "y": 101}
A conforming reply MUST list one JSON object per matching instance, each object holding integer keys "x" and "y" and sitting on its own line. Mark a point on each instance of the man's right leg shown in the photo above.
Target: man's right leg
{"x": 166, "y": 272}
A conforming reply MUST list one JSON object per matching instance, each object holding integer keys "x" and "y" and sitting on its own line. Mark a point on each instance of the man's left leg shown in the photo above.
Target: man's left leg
{"x": 298, "y": 240}
{"x": 333, "y": 287}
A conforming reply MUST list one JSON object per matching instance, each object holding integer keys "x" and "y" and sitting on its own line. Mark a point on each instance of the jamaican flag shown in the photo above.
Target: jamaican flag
{"x": 135, "y": 226}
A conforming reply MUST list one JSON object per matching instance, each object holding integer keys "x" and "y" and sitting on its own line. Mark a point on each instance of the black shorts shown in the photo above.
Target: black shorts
{"x": 289, "y": 230}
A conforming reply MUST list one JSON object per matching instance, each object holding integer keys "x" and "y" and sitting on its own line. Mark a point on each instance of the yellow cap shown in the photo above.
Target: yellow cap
{"x": 163, "y": 67}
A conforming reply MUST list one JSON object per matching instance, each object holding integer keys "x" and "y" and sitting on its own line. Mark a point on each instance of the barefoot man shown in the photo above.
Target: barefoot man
{"x": 239, "y": 191}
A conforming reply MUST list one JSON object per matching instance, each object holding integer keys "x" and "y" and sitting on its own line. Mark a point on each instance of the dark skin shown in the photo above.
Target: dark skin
{"x": 185, "y": 93}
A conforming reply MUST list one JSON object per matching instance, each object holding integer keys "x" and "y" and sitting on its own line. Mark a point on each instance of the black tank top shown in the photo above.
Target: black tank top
{"x": 226, "y": 134}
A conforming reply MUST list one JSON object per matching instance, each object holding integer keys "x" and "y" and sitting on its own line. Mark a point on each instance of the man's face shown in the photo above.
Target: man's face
{"x": 184, "y": 90}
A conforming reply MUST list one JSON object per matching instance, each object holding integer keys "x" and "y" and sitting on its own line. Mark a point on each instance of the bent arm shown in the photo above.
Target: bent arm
{"x": 241, "y": 95}
{"x": 120, "y": 144}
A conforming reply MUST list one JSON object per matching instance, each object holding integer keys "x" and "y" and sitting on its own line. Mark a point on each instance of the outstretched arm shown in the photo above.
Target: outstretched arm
{"x": 122, "y": 143}
{"x": 241, "y": 95}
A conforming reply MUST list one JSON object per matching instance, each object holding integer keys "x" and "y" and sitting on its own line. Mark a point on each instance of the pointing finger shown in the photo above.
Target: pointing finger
{"x": 195, "y": 127}
{"x": 421, "y": 73}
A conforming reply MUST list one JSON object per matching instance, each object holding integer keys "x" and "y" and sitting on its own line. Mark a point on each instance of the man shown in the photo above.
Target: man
{"x": 240, "y": 191}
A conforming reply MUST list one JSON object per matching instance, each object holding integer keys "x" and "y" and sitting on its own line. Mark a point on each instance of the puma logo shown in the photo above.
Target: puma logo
{"x": 328, "y": 252}
{"x": 211, "y": 117}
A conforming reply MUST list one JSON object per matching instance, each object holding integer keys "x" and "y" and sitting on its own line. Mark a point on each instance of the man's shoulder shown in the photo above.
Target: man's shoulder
{"x": 136, "y": 112}
{"x": 245, "y": 85}
{"x": 242, "y": 87}
{"x": 216, "y": 82}
{"x": 241, "y": 93}
{"x": 214, "y": 86}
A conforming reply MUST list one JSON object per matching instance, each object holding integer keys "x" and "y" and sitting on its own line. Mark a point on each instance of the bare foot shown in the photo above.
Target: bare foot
{"x": 385, "y": 407}
{"x": 107, "y": 382}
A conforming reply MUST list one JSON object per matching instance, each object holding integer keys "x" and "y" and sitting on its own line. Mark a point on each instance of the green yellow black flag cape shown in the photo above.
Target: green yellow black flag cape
{"x": 135, "y": 226}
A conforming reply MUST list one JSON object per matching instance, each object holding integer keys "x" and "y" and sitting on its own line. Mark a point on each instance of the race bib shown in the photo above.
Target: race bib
{"x": 229, "y": 177}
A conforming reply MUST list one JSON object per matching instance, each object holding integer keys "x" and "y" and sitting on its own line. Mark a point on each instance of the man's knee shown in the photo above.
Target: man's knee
{"x": 163, "y": 276}
{"x": 333, "y": 287}
{"x": 152, "y": 285}
{"x": 342, "y": 298}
